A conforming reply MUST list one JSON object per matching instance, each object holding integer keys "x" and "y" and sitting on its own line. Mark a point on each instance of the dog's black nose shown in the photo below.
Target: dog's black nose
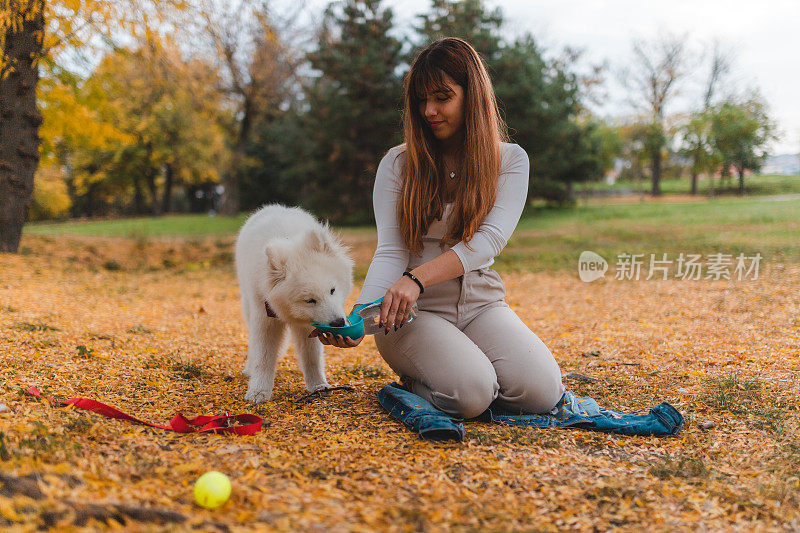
{"x": 338, "y": 323}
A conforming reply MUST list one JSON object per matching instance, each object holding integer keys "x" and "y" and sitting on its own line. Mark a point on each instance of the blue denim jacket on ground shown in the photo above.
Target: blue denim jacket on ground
{"x": 422, "y": 417}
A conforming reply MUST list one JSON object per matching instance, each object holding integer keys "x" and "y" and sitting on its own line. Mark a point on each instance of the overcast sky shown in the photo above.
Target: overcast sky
{"x": 764, "y": 36}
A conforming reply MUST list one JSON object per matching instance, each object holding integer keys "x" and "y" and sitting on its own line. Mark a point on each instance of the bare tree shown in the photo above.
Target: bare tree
{"x": 255, "y": 50}
{"x": 652, "y": 78}
{"x": 696, "y": 132}
{"x": 721, "y": 63}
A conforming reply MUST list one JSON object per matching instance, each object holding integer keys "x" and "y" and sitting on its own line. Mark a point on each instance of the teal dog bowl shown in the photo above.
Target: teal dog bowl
{"x": 355, "y": 330}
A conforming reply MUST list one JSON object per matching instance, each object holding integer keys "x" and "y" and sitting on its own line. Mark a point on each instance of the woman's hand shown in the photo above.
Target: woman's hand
{"x": 330, "y": 339}
{"x": 335, "y": 340}
{"x": 397, "y": 302}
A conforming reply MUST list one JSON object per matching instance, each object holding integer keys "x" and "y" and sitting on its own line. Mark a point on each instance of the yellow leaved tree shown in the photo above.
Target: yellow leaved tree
{"x": 172, "y": 123}
{"x": 52, "y": 36}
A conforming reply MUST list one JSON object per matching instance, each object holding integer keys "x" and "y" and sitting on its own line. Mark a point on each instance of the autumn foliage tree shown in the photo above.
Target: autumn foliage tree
{"x": 249, "y": 43}
{"x": 35, "y": 34}
{"x": 22, "y": 27}
{"x": 170, "y": 116}
{"x": 73, "y": 120}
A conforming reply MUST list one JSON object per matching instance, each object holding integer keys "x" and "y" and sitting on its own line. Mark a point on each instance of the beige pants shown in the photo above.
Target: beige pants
{"x": 467, "y": 348}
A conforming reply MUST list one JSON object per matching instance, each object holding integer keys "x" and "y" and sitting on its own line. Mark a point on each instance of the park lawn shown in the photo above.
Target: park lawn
{"x": 153, "y": 326}
{"x": 552, "y": 239}
{"x": 766, "y": 184}
{"x": 143, "y": 227}
{"x": 546, "y": 239}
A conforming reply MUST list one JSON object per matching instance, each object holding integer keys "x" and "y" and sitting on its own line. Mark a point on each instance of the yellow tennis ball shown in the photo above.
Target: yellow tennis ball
{"x": 212, "y": 489}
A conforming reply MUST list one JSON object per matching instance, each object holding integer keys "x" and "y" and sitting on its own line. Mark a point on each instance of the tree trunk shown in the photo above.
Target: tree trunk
{"x": 740, "y": 170}
{"x": 88, "y": 202}
{"x": 168, "y": 180}
{"x": 155, "y": 205}
{"x": 138, "y": 194}
{"x": 638, "y": 172}
{"x": 195, "y": 204}
{"x": 230, "y": 198}
{"x": 656, "y": 172}
{"x": 19, "y": 123}
{"x": 694, "y": 182}
{"x": 724, "y": 176}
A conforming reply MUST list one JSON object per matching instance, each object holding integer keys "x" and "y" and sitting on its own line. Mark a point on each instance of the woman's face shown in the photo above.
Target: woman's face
{"x": 443, "y": 110}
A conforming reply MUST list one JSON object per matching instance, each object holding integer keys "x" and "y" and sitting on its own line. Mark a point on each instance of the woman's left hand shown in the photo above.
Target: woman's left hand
{"x": 337, "y": 340}
{"x": 397, "y": 302}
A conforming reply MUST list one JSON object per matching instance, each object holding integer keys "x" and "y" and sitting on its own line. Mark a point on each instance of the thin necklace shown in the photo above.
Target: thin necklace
{"x": 452, "y": 174}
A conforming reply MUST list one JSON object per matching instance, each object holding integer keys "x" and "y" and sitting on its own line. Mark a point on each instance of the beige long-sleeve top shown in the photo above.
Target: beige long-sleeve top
{"x": 392, "y": 257}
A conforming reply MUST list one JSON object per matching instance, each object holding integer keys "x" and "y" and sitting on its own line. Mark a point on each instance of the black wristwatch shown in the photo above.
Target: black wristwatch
{"x": 415, "y": 280}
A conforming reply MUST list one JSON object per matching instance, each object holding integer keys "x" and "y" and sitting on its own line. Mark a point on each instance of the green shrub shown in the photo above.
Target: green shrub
{"x": 551, "y": 191}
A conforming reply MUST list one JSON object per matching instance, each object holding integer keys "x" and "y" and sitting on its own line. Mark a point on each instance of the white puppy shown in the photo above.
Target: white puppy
{"x": 293, "y": 271}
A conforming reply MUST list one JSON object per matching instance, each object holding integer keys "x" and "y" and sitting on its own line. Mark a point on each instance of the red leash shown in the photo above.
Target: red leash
{"x": 251, "y": 424}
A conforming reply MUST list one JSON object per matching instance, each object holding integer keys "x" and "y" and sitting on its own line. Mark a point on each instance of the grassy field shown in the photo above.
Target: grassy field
{"x": 143, "y": 228}
{"x": 551, "y": 239}
{"x": 754, "y": 185}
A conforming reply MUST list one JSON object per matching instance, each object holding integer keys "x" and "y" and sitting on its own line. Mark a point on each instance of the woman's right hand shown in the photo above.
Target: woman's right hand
{"x": 397, "y": 303}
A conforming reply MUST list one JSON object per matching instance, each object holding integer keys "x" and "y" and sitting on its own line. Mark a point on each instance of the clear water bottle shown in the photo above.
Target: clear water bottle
{"x": 371, "y": 313}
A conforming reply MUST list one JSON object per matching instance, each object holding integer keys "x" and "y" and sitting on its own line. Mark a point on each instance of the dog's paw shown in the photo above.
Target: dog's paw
{"x": 258, "y": 396}
{"x": 326, "y": 390}
{"x": 322, "y": 387}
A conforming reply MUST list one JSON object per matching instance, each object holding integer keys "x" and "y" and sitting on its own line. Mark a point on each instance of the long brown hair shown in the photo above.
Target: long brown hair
{"x": 423, "y": 185}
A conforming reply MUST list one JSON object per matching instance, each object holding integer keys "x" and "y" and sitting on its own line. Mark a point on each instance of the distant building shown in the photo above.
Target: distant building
{"x": 786, "y": 164}
{"x": 619, "y": 164}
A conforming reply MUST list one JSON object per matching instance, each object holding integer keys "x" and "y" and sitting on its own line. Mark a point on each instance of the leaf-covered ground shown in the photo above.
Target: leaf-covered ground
{"x": 154, "y": 327}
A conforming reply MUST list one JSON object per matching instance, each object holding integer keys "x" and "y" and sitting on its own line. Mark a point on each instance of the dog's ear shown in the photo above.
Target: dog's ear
{"x": 276, "y": 263}
{"x": 319, "y": 240}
